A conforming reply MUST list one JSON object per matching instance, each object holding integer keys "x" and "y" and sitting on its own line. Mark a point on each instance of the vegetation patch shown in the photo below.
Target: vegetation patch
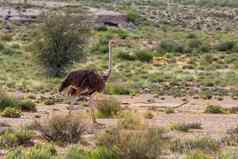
{"x": 185, "y": 127}
{"x": 201, "y": 144}
{"x": 11, "y": 113}
{"x": 214, "y": 109}
{"x": 13, "y": 138}
{"x": 44, "y": 151}
{"x": 62, "y": 129}
{"x": 108, "y": 107}
{"x": 135, "y": 144}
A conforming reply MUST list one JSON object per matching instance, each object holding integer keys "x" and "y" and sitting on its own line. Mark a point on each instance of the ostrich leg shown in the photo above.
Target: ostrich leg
{"x": 92, "y": 104}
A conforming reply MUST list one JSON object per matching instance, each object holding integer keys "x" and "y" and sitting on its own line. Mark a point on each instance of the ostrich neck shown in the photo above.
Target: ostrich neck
{"x": 109, "y": 60}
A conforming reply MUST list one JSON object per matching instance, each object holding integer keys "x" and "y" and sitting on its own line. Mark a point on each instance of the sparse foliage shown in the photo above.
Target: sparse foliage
{"x": 63, "y": 39}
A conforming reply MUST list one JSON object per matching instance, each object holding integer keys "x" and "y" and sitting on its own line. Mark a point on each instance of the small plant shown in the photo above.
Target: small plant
{"x": 11, "y": 113}
{"x": 185, "y": 127}
{"x": 108, "y": 107}
{"x": 27, "y": 105}
{"x": 62, "y": 129}
{"x": 7, "y": 101}
{"x": 148, "y": 115}
{"x": 215, "y": 109}
{"x": 169, "y": 110}
{"x": 202, "y": 144}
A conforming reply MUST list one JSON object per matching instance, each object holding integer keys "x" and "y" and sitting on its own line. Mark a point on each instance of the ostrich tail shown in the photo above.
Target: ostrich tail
{"x": 64, "y": 84}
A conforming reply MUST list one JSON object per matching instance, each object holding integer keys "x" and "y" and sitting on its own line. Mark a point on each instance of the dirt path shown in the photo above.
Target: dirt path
{"x": 214, "y": 125}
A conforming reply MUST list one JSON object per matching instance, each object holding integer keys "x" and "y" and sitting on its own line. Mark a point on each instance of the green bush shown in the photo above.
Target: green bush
{"x": 11, "y": 113}
{"x": 118, "y": 89}
{"x": 144, "y": 55}
{"x": 185, "y": 127}
{"x": 226, "y": 46}
{"x": 194, "y": 44}
{"x": 171, "y": 46}
{"x": 62, "y": 129}
{"x": 126, "y": 56}
{"x": 8, "y": 51}
{"x": 108, "y": 107}
{"x": 63, "y": 37}
{"x": 215, "y": 109}
{"x": 133, "y": 16}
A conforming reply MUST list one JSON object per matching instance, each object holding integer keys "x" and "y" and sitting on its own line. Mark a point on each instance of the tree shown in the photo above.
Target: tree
{"x": 62, "y": 39}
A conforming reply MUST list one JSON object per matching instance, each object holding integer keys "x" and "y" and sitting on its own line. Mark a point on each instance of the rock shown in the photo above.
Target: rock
{"x": 108, "y": 17}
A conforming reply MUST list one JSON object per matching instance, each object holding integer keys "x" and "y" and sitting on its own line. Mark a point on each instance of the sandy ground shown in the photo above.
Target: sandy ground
{"x": 186, "y": 111}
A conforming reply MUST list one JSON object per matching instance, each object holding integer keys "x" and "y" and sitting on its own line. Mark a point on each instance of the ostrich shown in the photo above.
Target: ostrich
{"x": 88, "y": 82}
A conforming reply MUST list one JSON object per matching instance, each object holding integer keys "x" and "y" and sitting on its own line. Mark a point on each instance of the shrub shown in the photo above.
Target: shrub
{"x": 1, "y": 46}
{"x": 118, "y": 89}
{"x": 11, "y": 113}
{"x": 108, "y": 107}
{"x": 194, "y": 44}
{"x": 171, "y": 46}
{"x": 186, "y": 126}
{"x": 7, "y": 101}
{"x": 8, "y": 51}
{"x": 148, "y": 115}
{"x": 133, "y": 15}
{"x": 62, "y": 41}
{"x": 231, "y": 139}
{"x": 6, "y": 37}
{"x": 62, "y": 129}
{"x": 144, "y": 55}
{"x": 146, "y": 144}
{"x": 27, "y": 105}
{"x": 130, "y": 121}
{"x": 226, "y": 46}
{"x": 215, "y": 109}
{"x": 15, "y": 138}
{"x": 126, "y": 56}
{"x": 169, "y": 110}
{"x": 202, "y": 144}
